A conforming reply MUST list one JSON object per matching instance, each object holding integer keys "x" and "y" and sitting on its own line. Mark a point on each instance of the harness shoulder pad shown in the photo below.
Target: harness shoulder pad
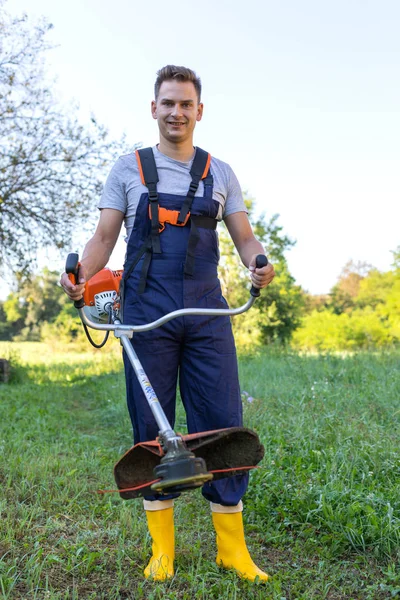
{"x": 200, "y": 165}
{"x": 147, "y": 166}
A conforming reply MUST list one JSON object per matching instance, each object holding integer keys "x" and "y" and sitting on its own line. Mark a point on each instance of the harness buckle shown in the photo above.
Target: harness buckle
{"x": 166, "y": 215}
{"x": 193, "y": 187}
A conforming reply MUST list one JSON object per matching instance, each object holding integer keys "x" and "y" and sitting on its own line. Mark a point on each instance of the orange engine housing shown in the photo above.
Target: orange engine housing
{"x": 105, "y": 280}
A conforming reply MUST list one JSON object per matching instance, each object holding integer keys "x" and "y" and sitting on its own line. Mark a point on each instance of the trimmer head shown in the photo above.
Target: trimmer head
{"x": 179, "y": 469}
{"x": 226, "y": 452}
{"x": 180, "y": 475}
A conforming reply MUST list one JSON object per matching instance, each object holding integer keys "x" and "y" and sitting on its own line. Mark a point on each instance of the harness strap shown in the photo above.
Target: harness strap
{"x": 199, "y": 171}
{"x": 204, "y": 222}
{"x": 165, "y": 215}
{"x": 191, "y": 247}
{"x": 149, "y": 177}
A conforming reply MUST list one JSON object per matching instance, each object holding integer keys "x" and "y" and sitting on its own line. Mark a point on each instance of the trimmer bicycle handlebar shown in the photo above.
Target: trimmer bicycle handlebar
{"x": 183, "y": 312}
{"x": 72, "y": 268}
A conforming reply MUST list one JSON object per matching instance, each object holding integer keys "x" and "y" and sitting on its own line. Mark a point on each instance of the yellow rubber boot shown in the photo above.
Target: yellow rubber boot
{"x": 161, "y": 528}
{"x": 232, "y": 549}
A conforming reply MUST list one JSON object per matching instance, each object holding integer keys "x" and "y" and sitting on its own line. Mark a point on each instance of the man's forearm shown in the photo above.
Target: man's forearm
{"x": 243, "y": 237}
{"x": 95, "y": 256}
{"x": 249, "y": 249}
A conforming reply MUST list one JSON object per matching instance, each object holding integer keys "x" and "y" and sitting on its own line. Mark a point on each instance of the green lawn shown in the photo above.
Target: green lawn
{"x": 322, "y": 514}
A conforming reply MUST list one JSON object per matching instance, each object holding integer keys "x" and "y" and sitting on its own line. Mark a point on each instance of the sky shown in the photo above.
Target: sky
{"x": 302, "y": 99}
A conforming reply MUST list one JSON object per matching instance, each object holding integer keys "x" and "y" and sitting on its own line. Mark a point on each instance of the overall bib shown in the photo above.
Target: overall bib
{"x": 198, "y": 350}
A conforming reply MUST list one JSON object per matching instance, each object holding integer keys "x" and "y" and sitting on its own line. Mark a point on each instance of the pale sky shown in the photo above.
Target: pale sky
{"x": 302, "y": 99}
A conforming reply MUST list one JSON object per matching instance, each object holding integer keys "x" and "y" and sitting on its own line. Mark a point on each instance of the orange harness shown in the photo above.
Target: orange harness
{"x": 199, "y": 170}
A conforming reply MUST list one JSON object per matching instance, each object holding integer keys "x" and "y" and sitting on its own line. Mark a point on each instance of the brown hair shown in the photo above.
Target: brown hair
{"x": 180, "y": 74}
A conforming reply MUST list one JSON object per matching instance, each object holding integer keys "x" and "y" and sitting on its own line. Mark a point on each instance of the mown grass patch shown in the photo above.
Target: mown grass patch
{"x": 322, "y": 514}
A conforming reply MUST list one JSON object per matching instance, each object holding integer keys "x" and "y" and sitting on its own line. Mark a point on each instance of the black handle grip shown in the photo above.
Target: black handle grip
{"x": 72, "y": 270}
{"x": 261, "y": 261}
{"x": 72, "y": 266}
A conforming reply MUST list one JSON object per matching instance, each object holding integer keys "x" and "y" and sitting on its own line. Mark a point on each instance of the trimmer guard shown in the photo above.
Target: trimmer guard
{"x": 231, "y": 451}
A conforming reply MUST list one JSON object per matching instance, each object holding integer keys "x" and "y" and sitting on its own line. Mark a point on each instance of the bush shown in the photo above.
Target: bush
{"x": 326, "y": 331}
{"x": 66, "y": 329}
{"x": 17, "y": 370}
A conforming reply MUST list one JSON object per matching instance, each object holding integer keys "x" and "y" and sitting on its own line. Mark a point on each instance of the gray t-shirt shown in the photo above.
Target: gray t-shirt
{"x": 124, "y": 188}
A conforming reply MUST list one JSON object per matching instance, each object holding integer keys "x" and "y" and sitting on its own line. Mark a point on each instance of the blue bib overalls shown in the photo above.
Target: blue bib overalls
{"x": 198, "y": 350}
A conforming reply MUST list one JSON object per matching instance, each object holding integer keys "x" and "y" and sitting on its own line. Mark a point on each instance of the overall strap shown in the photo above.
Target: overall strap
{"x": 149, "y": 177}
{"x": 199, "y": 171}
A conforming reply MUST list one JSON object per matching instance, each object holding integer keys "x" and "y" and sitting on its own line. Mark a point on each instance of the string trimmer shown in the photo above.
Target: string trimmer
{"x": 172, "y": 463}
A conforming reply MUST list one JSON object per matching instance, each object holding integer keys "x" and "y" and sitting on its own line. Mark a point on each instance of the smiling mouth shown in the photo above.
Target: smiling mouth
{"x": 175, "y": 123}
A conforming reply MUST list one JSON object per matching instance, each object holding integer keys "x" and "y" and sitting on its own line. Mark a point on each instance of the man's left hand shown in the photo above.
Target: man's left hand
{"x": 260, "y": 278}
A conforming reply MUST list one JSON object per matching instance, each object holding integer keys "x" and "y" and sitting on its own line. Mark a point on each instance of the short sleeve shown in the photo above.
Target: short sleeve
{"x": 234, "y": 200}
{"x": 114, "y": 193}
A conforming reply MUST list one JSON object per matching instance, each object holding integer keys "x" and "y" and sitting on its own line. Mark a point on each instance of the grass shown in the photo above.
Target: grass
{"x": 322, "y": 514}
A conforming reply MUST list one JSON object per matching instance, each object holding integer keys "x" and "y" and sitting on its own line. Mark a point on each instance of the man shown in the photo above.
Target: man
{"x": 171, "y": 197}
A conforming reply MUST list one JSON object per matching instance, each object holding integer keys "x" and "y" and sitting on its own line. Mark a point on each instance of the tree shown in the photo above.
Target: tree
{"x": 278, "y": 310}
{"x": 318, "y": 302}
{"x": 282, "y": 303}
{"x": 396, "y": 258}
{"x": 6, "y": 329}
{"x": 36, "y": 300}
{"x": 345, "y": 292}
{"x": 51, "y": 166}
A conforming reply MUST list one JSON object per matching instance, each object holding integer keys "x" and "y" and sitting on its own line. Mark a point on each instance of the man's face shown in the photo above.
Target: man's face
{"x": 177, "y": 109}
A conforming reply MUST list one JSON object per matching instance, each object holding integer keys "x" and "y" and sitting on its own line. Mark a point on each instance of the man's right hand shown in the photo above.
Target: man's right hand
{"x": 74, "y": 291}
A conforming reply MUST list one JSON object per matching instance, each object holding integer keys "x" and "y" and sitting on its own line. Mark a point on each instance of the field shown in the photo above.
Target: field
{"x": 322, "y": 514}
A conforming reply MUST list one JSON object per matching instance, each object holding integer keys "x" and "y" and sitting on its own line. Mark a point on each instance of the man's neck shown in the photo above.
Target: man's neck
{"x": 181, "y": 152}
